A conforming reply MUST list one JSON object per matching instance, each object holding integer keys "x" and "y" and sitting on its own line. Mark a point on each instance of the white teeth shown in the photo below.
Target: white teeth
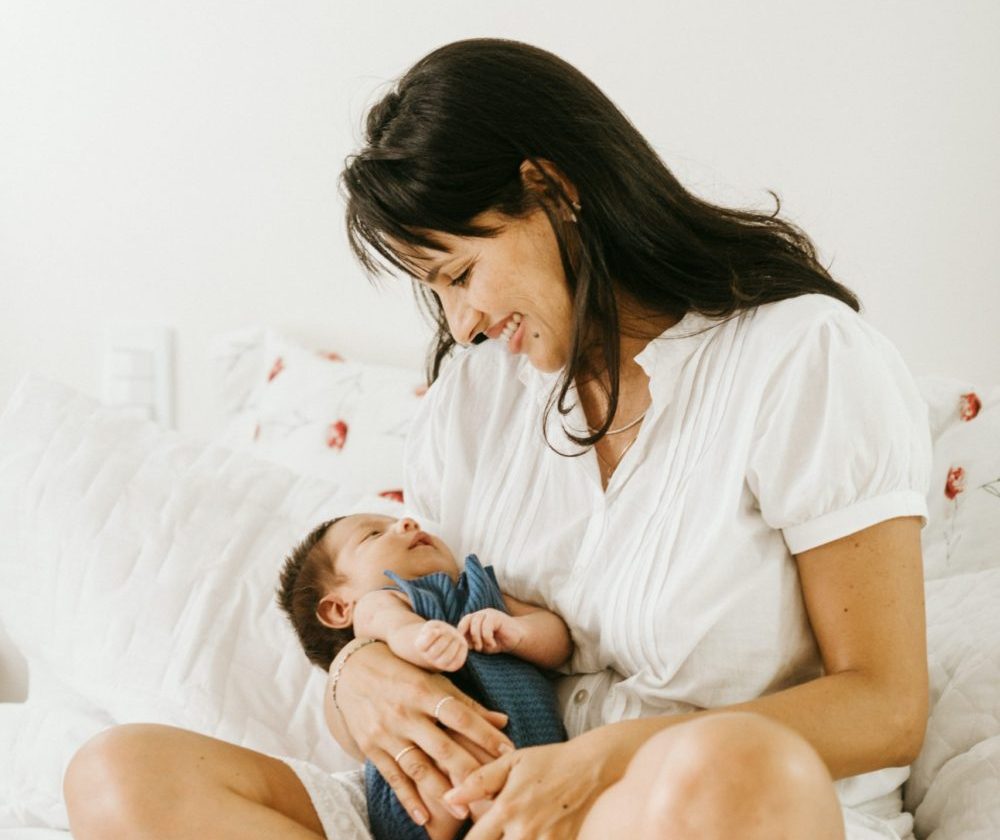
{"x": 511, "y": 327}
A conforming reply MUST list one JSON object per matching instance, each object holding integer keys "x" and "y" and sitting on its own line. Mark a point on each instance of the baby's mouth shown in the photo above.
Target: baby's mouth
{"x": 420, "y": 539}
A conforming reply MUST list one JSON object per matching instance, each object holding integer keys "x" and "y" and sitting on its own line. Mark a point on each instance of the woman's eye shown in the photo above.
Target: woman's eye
{"x": 462, "y": 279}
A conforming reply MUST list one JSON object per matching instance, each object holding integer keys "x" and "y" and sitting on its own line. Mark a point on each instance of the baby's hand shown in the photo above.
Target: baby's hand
{"x": 442, "y": 645}
{"x": 491, "y": 631}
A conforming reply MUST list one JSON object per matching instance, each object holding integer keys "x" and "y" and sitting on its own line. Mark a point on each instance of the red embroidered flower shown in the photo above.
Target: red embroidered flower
{"x": 420, "y": 390}
{"x": 955, "y": 483}
{"x": 333, "y": 357}
{"x": 276, "y": 368}
{"x": 394, "y": 495}
{"x": 968, "y": 406}
{"x": 336, "y": 435}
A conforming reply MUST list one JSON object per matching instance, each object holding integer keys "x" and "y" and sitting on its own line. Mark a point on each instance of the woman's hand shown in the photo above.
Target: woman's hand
{"x": 389, "y": 706}
{"x": 538, "y": 793}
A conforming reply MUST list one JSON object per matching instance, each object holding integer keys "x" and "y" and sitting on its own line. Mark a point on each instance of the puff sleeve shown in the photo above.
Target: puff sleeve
{"x": 841, "y": 440}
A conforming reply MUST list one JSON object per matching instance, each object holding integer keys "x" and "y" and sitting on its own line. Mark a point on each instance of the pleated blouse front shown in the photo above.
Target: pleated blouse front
{"x": 769, "y": 433}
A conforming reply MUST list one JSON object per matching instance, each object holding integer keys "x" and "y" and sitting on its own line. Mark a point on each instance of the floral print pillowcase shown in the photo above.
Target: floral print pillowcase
{"x": 318, "y": 413}
{"x": 963, "y": 531}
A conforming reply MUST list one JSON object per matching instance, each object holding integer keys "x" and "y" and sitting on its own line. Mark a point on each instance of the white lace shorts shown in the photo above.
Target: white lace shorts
{"x": 339, "y": 799}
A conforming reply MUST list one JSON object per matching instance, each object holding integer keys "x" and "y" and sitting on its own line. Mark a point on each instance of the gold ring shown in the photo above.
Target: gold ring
{"x": 403, "y": 752}
{"x": 440, "y": 703}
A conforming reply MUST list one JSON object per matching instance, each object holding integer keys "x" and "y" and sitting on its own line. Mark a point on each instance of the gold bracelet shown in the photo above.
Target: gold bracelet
{"x": 335, "y": 676}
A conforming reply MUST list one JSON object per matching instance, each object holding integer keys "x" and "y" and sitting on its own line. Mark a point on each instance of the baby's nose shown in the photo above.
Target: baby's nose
{"x": 406, "y": 524}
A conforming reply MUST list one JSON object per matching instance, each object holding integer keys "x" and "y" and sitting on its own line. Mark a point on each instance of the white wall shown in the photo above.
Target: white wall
{"x": 176, "y": 162}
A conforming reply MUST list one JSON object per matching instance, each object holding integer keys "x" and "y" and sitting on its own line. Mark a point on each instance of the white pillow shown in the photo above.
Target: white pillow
{"x": 963, "y": 528}
{"x": 139, "y": 570}
{"x": 961, "y": 546}
{"x": 315, "y": 412}
{"x": 37, "y": 740}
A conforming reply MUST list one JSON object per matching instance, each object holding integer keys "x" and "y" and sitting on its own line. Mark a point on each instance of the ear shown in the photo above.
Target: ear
{"x": 534, "y": 178}
{"x": 335, "y": 611}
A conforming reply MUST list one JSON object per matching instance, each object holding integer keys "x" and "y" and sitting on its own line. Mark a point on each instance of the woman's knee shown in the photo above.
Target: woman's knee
{"x": 148, "y": 780}
{"x": 734, "y": 769}
{"x": 105, "y": 785}
{"x": 739, "y": 739}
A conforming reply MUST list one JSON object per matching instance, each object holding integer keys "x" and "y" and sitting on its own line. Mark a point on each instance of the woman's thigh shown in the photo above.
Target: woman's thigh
{"x": 147, "y": 780}
{"x": 721, "y": 777}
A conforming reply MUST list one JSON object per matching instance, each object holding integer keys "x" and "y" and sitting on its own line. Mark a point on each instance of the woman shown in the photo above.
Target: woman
{"x": 679, "y": 435}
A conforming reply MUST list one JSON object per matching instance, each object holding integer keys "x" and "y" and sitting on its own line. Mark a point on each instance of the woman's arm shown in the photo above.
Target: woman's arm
{"x": 864, "y": 596}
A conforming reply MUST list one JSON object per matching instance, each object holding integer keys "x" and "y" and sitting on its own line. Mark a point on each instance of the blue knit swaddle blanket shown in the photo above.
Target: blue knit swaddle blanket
{"x": 498, "y": 681}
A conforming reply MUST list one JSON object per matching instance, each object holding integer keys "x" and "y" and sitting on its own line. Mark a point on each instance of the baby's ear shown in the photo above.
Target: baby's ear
{"x": 335, "y": 611}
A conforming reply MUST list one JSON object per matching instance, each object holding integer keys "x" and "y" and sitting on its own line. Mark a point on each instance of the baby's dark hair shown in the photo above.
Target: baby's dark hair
{"x": 306, "y": 577}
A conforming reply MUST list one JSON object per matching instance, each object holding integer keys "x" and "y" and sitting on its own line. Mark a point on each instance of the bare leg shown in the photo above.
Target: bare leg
{"x": 150, "y": 781}
{"x": 721, "y": 776}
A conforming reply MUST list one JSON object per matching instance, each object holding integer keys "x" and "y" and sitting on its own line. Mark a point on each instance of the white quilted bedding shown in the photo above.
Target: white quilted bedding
{"x": 954, "y": 787}
{"x": 137, "y": 570}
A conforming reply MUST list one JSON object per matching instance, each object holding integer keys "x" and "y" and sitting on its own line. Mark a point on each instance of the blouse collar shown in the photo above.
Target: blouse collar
{"x": 660, "y": 357}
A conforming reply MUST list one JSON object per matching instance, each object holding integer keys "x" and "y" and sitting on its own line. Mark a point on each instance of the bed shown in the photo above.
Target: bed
{"x": 138, "y": 570}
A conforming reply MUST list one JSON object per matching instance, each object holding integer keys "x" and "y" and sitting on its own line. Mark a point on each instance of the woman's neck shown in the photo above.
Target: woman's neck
{"x": 594, "y": 388}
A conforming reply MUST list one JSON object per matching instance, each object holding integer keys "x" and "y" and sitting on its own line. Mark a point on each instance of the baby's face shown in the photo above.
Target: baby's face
{"x": 366, "y": 545}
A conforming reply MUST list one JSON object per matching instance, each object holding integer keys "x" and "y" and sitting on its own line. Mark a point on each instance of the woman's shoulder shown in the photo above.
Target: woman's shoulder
{"x": 801, "y": 314}
{"x": 790, "y": 326}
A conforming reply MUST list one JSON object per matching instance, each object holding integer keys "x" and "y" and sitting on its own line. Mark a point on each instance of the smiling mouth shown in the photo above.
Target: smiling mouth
{"x": 506, "y": 328}
{"x": 511, "y": 327}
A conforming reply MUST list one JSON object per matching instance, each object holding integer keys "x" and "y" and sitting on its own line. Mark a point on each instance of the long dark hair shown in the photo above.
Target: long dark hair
{"x": 447, "y": 143}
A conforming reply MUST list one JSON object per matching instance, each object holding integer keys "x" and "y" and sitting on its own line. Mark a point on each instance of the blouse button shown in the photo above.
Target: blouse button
{"x": 581, "y": 696}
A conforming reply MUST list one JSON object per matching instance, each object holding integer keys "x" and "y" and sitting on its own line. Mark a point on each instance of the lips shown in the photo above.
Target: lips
{"x": 512, "y": 327}
{"x": 420, "y": 539}
{"x": 497, "y": 329}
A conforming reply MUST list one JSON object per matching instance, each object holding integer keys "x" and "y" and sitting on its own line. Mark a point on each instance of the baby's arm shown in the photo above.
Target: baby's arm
{"x": 528, "y": 632}
{"x": 386, "y": 614}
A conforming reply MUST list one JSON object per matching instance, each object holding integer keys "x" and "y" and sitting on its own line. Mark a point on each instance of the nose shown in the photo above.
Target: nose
{"x": 405, "y": 525}
{"x": 464, "y": 321}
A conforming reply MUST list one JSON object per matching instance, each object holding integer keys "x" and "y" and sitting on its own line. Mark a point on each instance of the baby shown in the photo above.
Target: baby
{"x": 378, "y": 577}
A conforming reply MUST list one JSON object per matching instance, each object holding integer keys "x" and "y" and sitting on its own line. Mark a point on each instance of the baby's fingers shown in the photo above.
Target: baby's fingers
{"x": 490, "y": 626}
{"x": 476, "y": 630}
{"x": 452, "y": 657}
{"x": 457, "y": 658}
{"x": 428, "y": 635}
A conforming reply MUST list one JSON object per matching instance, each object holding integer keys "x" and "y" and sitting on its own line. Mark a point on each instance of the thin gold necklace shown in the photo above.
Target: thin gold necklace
{"x": 624, "y": 428}
{"x": 613, "y": 466}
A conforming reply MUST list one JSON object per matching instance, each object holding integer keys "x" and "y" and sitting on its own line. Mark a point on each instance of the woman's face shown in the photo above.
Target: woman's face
{"x": 511, "y": 287}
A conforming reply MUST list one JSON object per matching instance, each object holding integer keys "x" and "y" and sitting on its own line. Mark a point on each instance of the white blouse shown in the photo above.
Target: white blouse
{"x": 771, "y": 432}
